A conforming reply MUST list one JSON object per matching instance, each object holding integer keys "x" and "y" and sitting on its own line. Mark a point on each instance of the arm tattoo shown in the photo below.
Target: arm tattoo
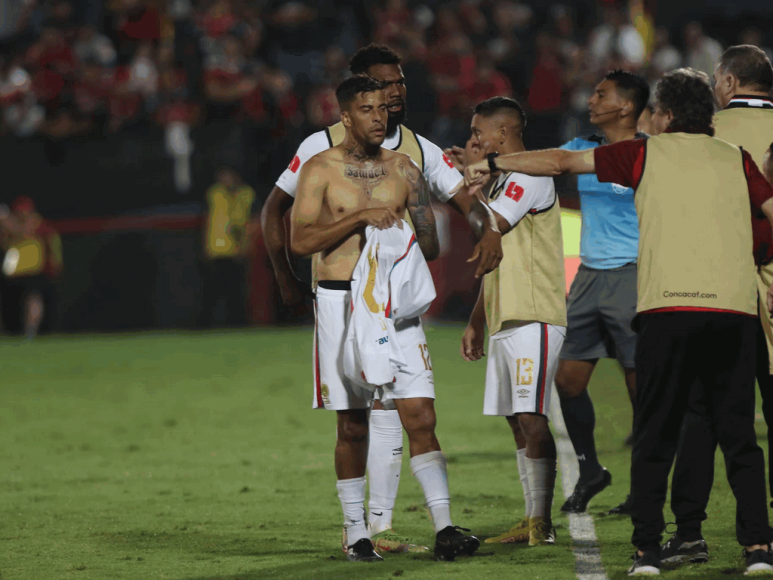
{"x": 420, "y": 210}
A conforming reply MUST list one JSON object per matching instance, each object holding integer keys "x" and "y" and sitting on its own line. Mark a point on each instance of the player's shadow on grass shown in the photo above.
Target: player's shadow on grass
{"x": 469, "y": 457}
{"x": 330, "y": 567}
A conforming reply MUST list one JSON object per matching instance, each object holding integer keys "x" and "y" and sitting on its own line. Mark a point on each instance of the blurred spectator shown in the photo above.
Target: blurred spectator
{"x": 143, "y": 75}
{"x": 322, "y": 106}
{"x": 489, "y": 82}
{"x": 753, "y": 36}
{"x": 92, "y": 93}
{"x": 616, "y": 35}
{"x": 391, "y": 21}
{"x": 229, "y": 233}
{"x": 702, "y": 51}
{"x": 176, "y": 114}
{"x": 514, "y": 48}
{"x": 33, "y": 261}
{"x": 219, "y": 19}
{"x": 91, "y": 44}
{"x": 665, "y": 56}
{"x": 21, "y": 113}
{"x": 228, "y": 82}
{"x": 52, "y": 64}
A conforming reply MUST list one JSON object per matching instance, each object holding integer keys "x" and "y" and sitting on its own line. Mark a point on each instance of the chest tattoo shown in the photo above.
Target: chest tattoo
{"x": 366, "y": 177}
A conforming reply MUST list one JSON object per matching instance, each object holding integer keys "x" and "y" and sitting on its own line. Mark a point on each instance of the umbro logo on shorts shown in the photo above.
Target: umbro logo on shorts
{"x": 523, "y": 393}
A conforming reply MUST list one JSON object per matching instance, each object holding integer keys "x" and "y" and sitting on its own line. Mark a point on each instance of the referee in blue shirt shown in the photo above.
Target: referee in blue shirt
{"x": 602, "y": 299}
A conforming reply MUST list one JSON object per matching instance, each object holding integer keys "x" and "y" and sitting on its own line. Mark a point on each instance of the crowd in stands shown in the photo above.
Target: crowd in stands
{"x": 78, "y": 69}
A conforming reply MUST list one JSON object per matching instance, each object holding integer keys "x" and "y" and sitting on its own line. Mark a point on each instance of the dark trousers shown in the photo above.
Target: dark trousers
{"x": 694, "y": 468}
{"x": 712, "y": 354}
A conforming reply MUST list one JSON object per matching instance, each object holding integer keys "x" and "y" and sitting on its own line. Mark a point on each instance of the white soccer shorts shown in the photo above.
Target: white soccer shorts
{"x": 332, "y": 390}
{"x": 522, "y": 364}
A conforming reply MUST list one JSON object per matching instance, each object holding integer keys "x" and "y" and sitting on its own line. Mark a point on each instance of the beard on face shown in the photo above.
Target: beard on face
{"x": 395, "y": 119}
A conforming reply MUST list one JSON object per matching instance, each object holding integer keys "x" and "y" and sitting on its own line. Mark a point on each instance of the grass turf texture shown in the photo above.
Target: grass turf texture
{"x": 197, "y": 457}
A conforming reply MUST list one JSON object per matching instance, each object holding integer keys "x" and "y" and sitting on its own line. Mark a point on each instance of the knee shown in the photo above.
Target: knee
{"x": 569, "y": 386}
{"x": 535, "y": 428}
{"x": 423, "y": 420}
{"x": 352, "y": 430}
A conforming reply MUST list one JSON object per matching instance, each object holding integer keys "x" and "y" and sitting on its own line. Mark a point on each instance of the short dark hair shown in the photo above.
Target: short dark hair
{"x": 750, "y": 65}
{"x": 496, "y": 105}
{"x": 372, "y": 54}
{"x": 633, "y": 87}
{"x": 687, "y": 93}
{"x": 351, "y": 87}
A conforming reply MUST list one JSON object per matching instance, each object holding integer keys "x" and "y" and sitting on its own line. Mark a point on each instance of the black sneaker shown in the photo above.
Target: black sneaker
{"x": 624, "y": 509}
{"x": 583, "y": 493}
{"x": 450, "y": 542}
{"x": 677, "y": 551}
{"x": 648, "y": 564}
{"x": 758, "y": 562}
{"x": 362, "y": 551}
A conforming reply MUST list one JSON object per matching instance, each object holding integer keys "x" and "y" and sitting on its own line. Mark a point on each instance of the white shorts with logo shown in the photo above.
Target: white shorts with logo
{"x": 332, "y": 390}
{"x": 522, "y": 364}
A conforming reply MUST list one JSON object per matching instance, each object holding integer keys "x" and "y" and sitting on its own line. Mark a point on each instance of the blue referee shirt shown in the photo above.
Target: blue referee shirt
{"x": 610, "y": 229}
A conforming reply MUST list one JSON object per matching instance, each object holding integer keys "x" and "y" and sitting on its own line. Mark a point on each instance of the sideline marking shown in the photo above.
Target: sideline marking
{"x": 584, "y": 544}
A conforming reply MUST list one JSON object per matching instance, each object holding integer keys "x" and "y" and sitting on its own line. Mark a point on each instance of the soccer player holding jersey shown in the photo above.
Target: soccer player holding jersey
{"x": 523, "y": 304}
{"x": 386, "y": 435}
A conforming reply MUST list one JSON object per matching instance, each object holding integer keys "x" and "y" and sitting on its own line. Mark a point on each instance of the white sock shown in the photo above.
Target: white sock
{"x": 351, "y": 492}
{"x": 430, "y": 470}
{"x": 385, "y": 459}
{"x": 523, "y": 475}
{"x": 542, "y": 481}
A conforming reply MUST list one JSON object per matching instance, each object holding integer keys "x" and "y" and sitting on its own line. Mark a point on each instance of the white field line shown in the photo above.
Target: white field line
{"x": 581, "y": 528}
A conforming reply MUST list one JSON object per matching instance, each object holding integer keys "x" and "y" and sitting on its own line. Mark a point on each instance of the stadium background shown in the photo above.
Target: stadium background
{"x": 102, "y": 101}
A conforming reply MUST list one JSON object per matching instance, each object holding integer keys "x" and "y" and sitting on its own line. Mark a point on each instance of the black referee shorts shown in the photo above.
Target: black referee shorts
{"x": 677, "y": 352}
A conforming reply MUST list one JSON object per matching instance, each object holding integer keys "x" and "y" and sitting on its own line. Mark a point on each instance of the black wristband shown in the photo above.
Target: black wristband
{"x": 491, "y": 163}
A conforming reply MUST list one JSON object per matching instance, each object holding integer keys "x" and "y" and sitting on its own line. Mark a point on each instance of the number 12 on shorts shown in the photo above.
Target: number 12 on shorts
{"x": 424, "y": 350}
{"x": 525, "y": 365}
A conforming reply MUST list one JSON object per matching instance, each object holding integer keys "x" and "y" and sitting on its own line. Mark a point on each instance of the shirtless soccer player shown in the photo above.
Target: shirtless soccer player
{"x": 524, "y": 306}
{"x": 340, "y": 191}
{"x": 386, "y": 434}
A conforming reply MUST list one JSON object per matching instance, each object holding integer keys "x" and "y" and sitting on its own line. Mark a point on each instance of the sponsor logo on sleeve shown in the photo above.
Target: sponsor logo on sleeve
{"x": 295, "y": 164}
{"x": 514, "y": 191}
{"x": 448, "y": 161}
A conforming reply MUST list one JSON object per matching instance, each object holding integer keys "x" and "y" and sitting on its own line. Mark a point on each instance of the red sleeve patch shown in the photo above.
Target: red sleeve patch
{"x": 448, "y": 161}
{"x": 295, "y": 164}
{"x": 514, "y": 192}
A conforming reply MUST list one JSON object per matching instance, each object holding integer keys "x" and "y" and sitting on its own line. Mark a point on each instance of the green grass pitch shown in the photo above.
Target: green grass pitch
{"x": 197, "y": 456}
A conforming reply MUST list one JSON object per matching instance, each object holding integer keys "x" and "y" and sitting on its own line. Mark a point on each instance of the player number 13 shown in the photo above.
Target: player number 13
{"x": 527, "y": 366}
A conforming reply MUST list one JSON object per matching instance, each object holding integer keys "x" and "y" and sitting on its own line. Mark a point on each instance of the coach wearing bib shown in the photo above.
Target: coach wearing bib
{"x": 743, "y": 80}
{"x": 697, "y": 299}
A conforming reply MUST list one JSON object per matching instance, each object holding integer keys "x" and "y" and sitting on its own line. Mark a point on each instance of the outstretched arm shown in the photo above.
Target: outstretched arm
{"x": 420, "y": 210}
{"x": 549, "y": 163}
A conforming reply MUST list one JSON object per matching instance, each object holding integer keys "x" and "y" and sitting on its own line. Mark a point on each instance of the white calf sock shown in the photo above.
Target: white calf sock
{"x": 385, "y": 459}
{"x": 523, "y": 475}
{"x": 542, "y": 482}
{"x": 351, "y": 492}
{"x": 430, "y": 470}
